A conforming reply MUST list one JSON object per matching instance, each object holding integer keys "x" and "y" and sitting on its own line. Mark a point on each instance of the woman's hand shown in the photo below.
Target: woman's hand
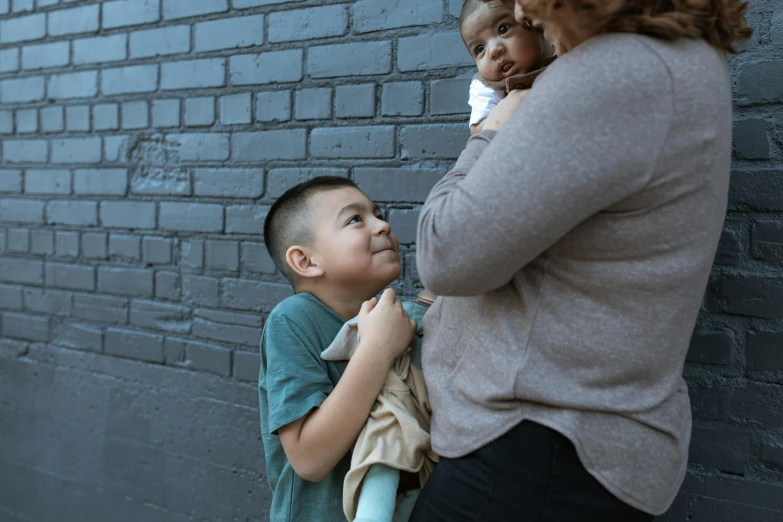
{"x": 502, "y": 112}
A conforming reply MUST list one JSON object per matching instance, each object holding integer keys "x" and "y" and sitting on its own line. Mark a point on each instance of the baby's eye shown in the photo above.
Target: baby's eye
{"x": 503, "y": 29}
{"x": 478, "y": 50}
{"x": 355, "y": 219}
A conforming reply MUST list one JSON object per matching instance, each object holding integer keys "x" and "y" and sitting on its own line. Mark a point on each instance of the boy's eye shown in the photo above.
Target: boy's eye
{"x": 355, "y": 219}
{"x": 478, "y": 50}
{"x": 503, "y": 29}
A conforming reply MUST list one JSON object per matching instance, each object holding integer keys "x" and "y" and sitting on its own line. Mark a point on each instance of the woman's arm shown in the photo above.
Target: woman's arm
{"x": 587, "y": 136}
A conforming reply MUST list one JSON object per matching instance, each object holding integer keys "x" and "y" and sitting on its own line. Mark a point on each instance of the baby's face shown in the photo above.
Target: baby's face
{"x": 500, "y": 46}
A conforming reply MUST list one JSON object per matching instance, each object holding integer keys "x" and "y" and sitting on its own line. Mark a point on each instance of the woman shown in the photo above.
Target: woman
{"x": 572, "y": 250}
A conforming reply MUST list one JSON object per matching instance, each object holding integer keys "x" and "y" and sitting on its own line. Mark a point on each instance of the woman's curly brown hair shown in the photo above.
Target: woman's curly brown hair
{"x": 722, "y": 23}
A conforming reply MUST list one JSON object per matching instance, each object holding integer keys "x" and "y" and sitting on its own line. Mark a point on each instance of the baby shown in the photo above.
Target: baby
{"x": 508, "y": 55}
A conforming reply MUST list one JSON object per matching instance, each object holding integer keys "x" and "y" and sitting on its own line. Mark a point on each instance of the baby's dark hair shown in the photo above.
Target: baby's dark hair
{"x": 470, "y": 6}
{"x": 290, "y": 220}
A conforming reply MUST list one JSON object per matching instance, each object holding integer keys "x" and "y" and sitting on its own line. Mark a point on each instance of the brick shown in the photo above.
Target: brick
{"x": 229, "y": 33}
{"x": 66, "y": 244}
{"x": 280, "y": 180}
{"x": 751, "y": 138}
{"x": 160, "y": 42}
{"x": 42, "y": 242}
{"x": 404, "y": 223}
{"x": 720, "y": 448}
{"x": 22, "y": 271}
{"x": 21, "y": 211}
{"x": 73, "y": 277}
{"x": 165, "y": 113}
{"x": 759, "y": 403}
{"x": 173, "y": 9}
{"x": 352, "y": 142}
{"x": 390, "y": 185}
{"x": 432, "y": 51}
{"x": 353, "y": 59}
{"x": 200, "y": 111}
{"x": 371, "y": 15}
{"x": 46, "y": 3}
{"x": 244, "y": 4}
{"x": 195, "y": 217}
{"x": 22, "y": 90}
{"x": 135, "y": 115}
{"x": 73, "y": 21}
{"x": 105, "y": 116}
{"x": 166, "y": 180}
{"x": 730, "y": 247}
{"x": 23, "y": 28}
{"x": 229, "y": 183}
{"x": 167, "y": 286}
{"x": 10, "y": 181}
{"x": 273, "y": 106}
{"x": 246, "y": 366}
{"x": 355, "y": 101}
{"x": 158, "y": 316}
{"x": 313, "y": 104}
{"x": 125, "y": 247}
{"x": 47, "y": 181}
{"x": 10, "y": 297}
{"x": 129, "y": 80}
{"x": 77, "y": 118}
{"x": 156, "y": 250}
{"x": 27, "y": 327}
{"x": 125, "y": 281}
{"x": 246, "y": 219}
{"x": 73, "y": 85}
{"x": 258, "y": 296}
{"x": 52, "y": 119}
{"x": 222, "y": 255}
{"x": 79, "y": 337}
{"x": 100, "y": 182}
{"x": 127, "y": 214}
{"x": 123, "y": 13}
{"x": 51, "y": 302}
{"x": 308, "y": 24}
{"x": 772, "y": 454}
{"x": 9, "y": 60}
{"x": 23, "y": 5}
{"x": 760, "y": 297}
{"x": 712, "y": 347}
{"x": 27, "y": 121}
{"x": 18, "y": 240}
{"x": 198, "y": 356}
{"x": 134, "y": 345}
{"x": 289, "y": 144}
{"x": 101, "y": 308}
{"x": 264, "y": 68}
{"x": 235, "y": 109}
{"x": 450, "y": 96}
{"x": 192, "y": 253}
{"x": 758, "y": 82}
{"x": 224, "y": 332}
{"x": 201, "y": 147}
{"x": 433, "y": 141}
{"x": 767, "y": 242}
{"x": 95, "y": 246}
{"x": 115, "y": 149}
{"x": 45, "y": 55}
{"x": 69, "y": 212}
{"x": 204, "y": 291}
{"x": 6, "y": 122}
{"x": 402, "y": 99}
{"x": 193, "y": 74}
{"x": 765, "y": 351}
{"x": 100, "y": 49}
{"x": 256, "y": 259}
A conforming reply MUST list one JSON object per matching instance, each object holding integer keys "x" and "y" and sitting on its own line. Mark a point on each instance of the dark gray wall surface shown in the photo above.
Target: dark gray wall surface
{"x": 142, "y": 144}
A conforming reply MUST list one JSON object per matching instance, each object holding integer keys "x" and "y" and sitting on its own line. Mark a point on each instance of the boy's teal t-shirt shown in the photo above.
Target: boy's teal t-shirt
{"x": 293, "y": 380}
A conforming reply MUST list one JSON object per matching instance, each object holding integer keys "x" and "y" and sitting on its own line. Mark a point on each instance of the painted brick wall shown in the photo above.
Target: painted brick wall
{"x": 143, "y": 142}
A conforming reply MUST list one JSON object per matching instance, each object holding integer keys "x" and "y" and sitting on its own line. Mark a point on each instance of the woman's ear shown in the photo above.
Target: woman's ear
{"x": 300, "y": 260}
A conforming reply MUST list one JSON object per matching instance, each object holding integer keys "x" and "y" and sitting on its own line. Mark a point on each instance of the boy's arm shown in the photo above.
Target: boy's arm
{"x": 315, "y": 443}
{"x": 477, "y": 127}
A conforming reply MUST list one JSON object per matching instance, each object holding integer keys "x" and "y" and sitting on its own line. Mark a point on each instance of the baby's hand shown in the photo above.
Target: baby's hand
{"x": 384, "y": 325}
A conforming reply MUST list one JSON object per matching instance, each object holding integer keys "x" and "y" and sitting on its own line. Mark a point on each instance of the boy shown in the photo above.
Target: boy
{"x": 508, "y": 55}
{"x": 335, "y": 248}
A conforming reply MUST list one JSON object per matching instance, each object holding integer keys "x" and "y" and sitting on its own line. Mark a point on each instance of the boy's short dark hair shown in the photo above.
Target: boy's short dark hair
{"x": 470, "y": 6}
{"x": 289, "y": 221}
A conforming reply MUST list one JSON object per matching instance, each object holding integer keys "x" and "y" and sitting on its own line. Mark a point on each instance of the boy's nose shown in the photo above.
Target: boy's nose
{"x": 496, "y": 50}
{"x": 382, "y": 227}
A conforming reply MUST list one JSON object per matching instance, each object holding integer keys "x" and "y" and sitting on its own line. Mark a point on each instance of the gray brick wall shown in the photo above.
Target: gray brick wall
{"x": 143, "y": 142}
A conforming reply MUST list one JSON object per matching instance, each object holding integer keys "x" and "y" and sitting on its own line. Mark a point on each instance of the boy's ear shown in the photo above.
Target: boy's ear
{"x": 300, "y": 260}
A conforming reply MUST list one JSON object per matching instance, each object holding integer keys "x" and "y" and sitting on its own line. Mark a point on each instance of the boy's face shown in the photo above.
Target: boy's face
{"x": 500, "y": 46}
{"x": 353, "y": 244}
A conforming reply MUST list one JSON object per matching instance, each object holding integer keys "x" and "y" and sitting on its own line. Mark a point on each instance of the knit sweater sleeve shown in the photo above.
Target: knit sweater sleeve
{"x": 587, "y": 137}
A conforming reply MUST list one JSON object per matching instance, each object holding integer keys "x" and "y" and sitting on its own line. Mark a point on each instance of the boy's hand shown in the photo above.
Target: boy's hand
{"x": 502, "y": 112}
{"x": 384, "y": 325}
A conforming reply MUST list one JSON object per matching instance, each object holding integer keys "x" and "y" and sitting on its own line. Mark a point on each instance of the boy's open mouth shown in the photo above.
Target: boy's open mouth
{"x": 507, "y": 68}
